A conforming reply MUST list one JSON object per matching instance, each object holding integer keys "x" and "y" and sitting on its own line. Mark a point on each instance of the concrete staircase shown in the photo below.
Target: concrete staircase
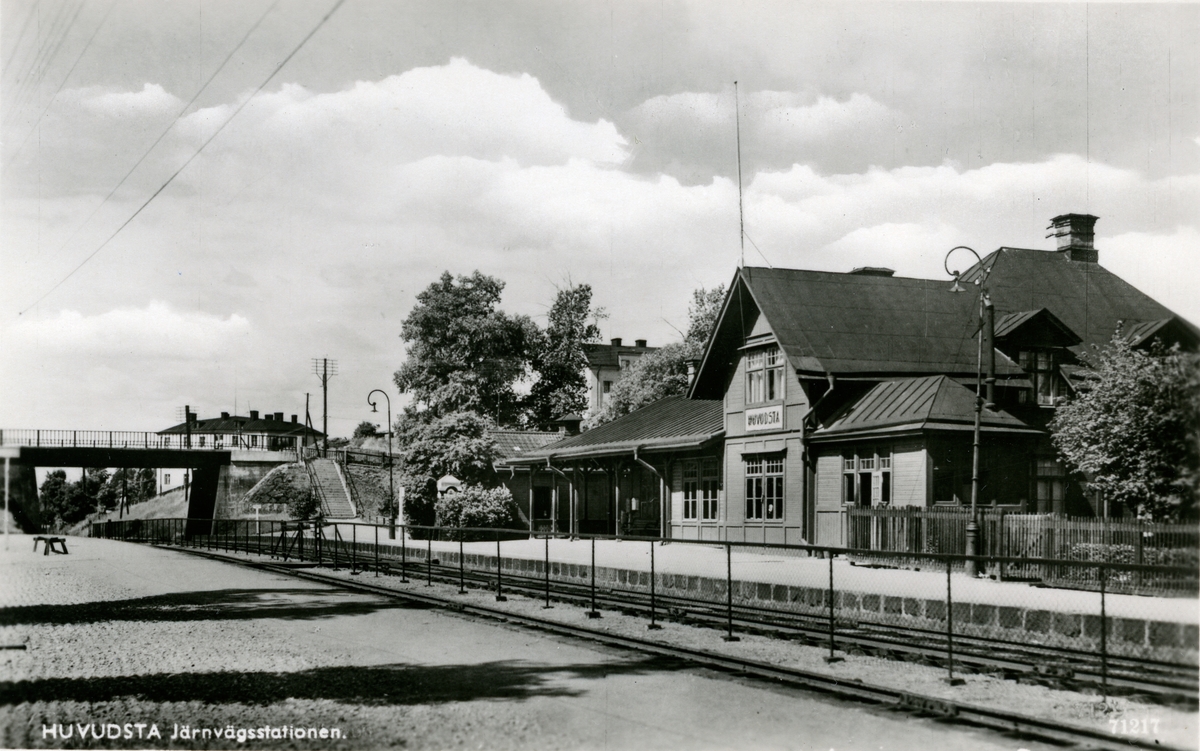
{"x": 328, "y": 482}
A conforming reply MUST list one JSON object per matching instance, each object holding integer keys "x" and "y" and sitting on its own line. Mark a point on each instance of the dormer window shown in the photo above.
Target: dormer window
{"x": 1042, "y": 367}
{"x": 764, "y": 375}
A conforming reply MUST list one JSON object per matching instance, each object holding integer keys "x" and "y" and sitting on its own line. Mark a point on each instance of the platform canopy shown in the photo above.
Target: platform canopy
{"x": 669, "y": 424}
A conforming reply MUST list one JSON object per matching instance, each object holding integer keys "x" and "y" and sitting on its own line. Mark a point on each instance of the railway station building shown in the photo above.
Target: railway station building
{"x": 820, "y": 391}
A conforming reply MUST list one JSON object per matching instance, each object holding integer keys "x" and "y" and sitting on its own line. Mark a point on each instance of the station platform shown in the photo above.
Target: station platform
{"x": 1160, "y": 627}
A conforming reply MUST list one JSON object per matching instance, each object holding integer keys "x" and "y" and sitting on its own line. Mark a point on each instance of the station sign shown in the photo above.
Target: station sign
{"x": 764, "y": 418}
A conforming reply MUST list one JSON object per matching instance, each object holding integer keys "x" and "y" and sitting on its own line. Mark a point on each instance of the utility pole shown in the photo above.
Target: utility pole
{"x": 324, "y": 368}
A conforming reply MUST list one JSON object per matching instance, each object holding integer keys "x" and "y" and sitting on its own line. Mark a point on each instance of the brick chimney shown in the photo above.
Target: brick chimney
{"x": 224, "y": 415}
{"x": 640, "y": 343}
{"x": 278, "y": 417}
{"x": 295, "y": 419}
{"x": 1075, "y": 235}
{"x": 616, "y": 341}
{"x": 254, "y": 414}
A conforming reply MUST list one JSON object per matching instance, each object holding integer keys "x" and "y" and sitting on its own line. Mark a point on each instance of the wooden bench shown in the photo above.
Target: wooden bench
{"x": 52, "y": 543}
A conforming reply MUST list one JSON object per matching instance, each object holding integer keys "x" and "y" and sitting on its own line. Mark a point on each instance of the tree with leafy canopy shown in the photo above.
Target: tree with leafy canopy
{"x": 54, "y": 497}
{"x": 464, "y": 354}
{"x": 664, "y": 372}
{"x": 1134, "y": 431}
{"x": 136, "y": 485}
{"x": 366, "y": 429}
{"x": 457, "y": 444}
{"x": 64, "y": 503}
{"x": 559, "y": 360}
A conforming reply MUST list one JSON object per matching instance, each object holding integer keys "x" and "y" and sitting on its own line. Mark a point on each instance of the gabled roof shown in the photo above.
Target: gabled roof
{"x": 609, "y": 356}
{"x": 239, "y": 424}
{"x": 1169, "y": 330}
{"x": 1088, "y": 298}
{"x": 827, "y": 322}
{"x": 671, "y": 423}
{"x": 519, "y": 442}
{"x": 1035, "y": 328}
{"x": 912, "y": 404}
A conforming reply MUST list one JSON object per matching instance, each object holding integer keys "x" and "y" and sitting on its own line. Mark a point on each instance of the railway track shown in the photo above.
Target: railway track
{"x": 1061, "y": 667}
{"x": 1005, "y": 722}
{"x": 1165, "y": 682}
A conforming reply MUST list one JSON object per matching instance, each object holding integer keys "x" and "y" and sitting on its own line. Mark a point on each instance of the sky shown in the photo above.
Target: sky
{"x": 322, "y": 168}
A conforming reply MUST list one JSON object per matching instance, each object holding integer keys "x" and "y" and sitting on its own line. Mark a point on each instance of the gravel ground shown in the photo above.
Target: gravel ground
{"x": 1176, "y": 727}
{"x": 119, "y": 633}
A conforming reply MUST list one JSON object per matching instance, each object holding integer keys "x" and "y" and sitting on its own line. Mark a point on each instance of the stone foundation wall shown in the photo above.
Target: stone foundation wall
{"x": 1131, "y": 637}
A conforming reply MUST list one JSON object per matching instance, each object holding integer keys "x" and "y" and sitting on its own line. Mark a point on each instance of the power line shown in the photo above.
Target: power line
{"x": 46, "y": 109}
{"x": 57, "y": 36}
{"x": 171, "y": 179}
{"x": 21, "y": 36}
{"x": 167, "y": 130}
{"x": 764, "y": 257}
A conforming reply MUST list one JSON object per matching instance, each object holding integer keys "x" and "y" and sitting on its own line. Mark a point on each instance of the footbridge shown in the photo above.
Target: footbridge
{"x": 218, "y": 470}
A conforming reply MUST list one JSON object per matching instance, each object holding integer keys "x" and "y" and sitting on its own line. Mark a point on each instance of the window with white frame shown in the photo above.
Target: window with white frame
{"x": 701, "y": 488}
{"x": 691, "y": 489}
{"x": 764, "y": 375}
{"x": 764, "y": 487}
{"x": 867, "y": 477}
{"x": 710, "y": 485}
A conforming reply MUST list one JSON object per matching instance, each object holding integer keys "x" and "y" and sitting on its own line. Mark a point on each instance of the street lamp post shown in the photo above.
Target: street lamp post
{"x": 391, "y": 473}
{"x": 986, "y": 329}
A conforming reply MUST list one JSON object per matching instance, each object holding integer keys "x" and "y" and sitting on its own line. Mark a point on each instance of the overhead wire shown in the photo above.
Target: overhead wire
{"x": 21, "y": 35}
{"x": 168, "y": 129}
{"x": 40, "y": 45}
{"x": 764, "y": 257}
{"x": 190, "y": 159}
{"x": 67, "y": 77}
{"x": 37, "y": 70}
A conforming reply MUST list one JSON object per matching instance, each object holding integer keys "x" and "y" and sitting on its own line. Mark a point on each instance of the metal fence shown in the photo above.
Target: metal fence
{"x": 815, "y": 595}
{"x": 130, "y": 439}
{"x": 1022, "y": 538}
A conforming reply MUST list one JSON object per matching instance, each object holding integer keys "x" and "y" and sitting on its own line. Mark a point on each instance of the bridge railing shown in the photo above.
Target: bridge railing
{"x": 131, "y": 439}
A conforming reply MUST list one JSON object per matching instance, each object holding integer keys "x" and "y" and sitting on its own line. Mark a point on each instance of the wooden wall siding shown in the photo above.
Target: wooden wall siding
{"x": 829, "y": 499}
{"x": 793, "y": 484}
{"x": 735, "y": 401}
{"x": 908, "y": 476}
{"x": 829, "y": 481}
{"x": 795, "y": 402}
{"x": 735, "y": 484}
{"x": 595, "y": 503}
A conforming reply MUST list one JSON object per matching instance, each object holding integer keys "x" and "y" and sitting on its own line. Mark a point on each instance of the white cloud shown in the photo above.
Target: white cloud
{"x": 456, "y": 109}
{"x": 151, "y": 100}
{"x": 320, "y": 216}
{"x": 826, "y": 118}
{"x": 156, "y": 331}
{"x": 121, "y": 369}
{"x": 777, "y": 128}
{"x": 1164, "y": 264}
{"x": 806, "y": 216}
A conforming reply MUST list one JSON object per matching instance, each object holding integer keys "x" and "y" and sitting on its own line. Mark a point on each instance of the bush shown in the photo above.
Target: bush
{"x": 294, "y": 493}
{"x": 477, "y": 506}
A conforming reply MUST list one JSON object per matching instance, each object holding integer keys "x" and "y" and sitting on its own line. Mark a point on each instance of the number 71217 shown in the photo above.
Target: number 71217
{"x": 1134, "y": 726}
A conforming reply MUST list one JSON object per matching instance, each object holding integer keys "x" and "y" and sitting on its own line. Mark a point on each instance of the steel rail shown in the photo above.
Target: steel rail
{"x": 1005, "y": 722}
{"x": 1015, "y": 659}
{"x": 1067, "y": 668}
